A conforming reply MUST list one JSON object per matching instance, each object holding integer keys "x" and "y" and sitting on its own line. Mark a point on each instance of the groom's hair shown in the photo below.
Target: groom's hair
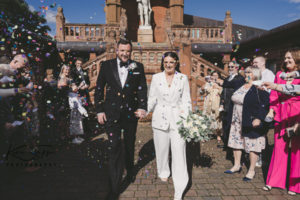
{"x": 124, "y": 41}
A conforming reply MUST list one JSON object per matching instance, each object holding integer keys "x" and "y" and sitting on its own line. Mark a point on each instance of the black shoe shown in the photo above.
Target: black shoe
{"x": 221, "y": 146}
{"x": 248, "y": 179}
{"x": 130, "y": 177}
{"x": 232, "y": 172}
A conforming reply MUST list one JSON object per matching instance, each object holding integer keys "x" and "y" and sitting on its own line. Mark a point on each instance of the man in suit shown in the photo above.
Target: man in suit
{"x": 125, "y": 101}
{"x": 81, "y": 79}
{"x": 230, "y": 85}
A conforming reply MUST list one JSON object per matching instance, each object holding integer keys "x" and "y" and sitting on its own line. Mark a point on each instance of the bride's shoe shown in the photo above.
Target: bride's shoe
{"x": 164, "y": 179}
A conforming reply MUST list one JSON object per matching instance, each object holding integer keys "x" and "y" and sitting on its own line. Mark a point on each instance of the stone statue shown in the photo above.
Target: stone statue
{"x": 123, "y": 22}
{"x": 144, "y": 11}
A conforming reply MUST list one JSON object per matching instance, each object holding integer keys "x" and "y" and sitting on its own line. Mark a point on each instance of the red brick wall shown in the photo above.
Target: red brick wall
{"x": 159, "y": 12}
{"x": 132, "y": 18}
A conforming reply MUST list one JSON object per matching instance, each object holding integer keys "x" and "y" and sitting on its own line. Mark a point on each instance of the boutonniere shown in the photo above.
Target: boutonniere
{"x": 132, "y": 66}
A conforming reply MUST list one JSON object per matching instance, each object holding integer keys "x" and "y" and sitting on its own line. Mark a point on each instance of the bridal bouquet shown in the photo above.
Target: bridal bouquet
{"x": 195, "y": 127}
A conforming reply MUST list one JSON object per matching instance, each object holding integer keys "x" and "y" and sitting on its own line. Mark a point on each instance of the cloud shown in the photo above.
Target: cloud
{"x": 31, "y": 8}
{"x": 294, "y": 16}
{"x": 50, "y": 16}
{"x": 294, "y": 1}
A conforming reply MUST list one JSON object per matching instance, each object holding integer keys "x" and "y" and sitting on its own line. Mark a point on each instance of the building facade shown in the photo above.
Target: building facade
{"x": 204, "y": 45}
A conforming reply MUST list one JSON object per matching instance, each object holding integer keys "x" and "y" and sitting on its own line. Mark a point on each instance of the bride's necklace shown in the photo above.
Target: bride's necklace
{"x": 169, "y": 79}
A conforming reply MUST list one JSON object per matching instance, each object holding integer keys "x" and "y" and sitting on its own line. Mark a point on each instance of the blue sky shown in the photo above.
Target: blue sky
{"x": 265, "y": 14}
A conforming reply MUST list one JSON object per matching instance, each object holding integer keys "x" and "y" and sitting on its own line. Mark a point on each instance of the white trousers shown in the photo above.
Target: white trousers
{"x": 162, "y": 141}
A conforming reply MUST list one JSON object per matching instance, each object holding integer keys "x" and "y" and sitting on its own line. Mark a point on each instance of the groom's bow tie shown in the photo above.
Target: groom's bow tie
{"x": 123, "y": 64}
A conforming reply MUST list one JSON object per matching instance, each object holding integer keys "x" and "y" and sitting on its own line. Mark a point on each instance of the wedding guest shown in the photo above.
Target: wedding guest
{"x": 212, "y": 103}
{"x": 204, "y": 90}
{"x": 169, "y": 98}
{"x": 19, "y": 61}
{"x": 81, "y": 79}
{"x": 230, "y": 85}
{"x": 247, "y": 130}
{"x": 70, "y": 89}
{"x": 12, "y": 91}
{"x": 288, "y": 89}
{"x": 266, "y": 75}
{"x": 286, "y": 113}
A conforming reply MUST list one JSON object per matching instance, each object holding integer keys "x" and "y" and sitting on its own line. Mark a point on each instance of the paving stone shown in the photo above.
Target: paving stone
{"x": 81, "y": 172}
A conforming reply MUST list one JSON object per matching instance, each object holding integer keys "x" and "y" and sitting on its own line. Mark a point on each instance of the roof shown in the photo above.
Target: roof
{"x": 240, "y": 32}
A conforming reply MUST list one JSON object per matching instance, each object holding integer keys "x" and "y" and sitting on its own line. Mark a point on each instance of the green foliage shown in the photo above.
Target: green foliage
{"x": 23, "y": 31}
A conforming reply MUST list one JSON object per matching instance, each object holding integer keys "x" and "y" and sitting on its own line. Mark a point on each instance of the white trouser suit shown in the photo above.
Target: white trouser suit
{"x": 168, "y": 104}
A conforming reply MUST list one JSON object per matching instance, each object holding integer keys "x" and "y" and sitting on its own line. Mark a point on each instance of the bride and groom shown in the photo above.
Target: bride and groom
{"x": 121, "y": 99}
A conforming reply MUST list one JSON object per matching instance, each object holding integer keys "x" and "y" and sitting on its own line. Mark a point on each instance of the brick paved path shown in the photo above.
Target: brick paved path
{"x": 80, "y": 172}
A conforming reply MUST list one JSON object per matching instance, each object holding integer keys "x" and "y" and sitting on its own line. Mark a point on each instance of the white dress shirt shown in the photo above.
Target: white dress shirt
{"x": 123, "y": 72}
{"x": 231, "y": 77}
{"x": 267, "y": 76}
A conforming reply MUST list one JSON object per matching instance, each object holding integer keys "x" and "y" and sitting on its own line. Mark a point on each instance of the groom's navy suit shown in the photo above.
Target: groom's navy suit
{"x": 119, "y": 104}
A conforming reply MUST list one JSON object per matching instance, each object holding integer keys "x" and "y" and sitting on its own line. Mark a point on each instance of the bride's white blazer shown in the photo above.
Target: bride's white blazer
{"x": 169, "y": 103}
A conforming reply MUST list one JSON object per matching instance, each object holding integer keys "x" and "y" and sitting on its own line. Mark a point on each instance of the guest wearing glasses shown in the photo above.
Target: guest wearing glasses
{"x": 230, "y": 85}
{"x": 247, "y": 131}
{"x": 169, "y": 98}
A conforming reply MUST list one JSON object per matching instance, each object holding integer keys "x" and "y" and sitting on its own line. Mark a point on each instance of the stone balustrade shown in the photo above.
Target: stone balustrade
{"x": 150, "y": 56}
{"x": 90, "y": 32}
{"x": 199, "y": 34}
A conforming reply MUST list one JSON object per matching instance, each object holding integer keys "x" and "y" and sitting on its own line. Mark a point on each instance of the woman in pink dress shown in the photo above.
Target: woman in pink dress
{"x": 286, "y": 112}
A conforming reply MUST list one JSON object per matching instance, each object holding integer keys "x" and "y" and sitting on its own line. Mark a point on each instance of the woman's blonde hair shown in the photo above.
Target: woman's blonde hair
{"x": 62, "y": 70}
{"x": 255, "y": 71}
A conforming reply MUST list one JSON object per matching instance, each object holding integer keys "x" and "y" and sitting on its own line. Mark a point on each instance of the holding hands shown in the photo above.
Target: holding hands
{"x": 140, "y": 113}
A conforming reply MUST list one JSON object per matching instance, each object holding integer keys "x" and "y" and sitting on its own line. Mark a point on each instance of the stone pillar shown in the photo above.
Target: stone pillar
{"x": 113, "y": 11}
{"x": 176, "y": 11}
{"x": 185, "y": 53}
{"x": 145, "y": 34}
{"x": 60, "y": 25}
{"x": 228, "y": 28}
{"x": 110, "y": 50}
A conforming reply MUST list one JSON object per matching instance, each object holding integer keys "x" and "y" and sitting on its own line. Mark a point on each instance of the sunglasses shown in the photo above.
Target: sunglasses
{"x": 231, "y": 66}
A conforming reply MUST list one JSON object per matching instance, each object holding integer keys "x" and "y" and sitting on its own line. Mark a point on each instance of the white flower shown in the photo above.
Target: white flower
{"x": 132, "y": 66}
{"x": 194, "y": 129}
{"x": 204, "y": 126}
{"x": 200, "y": 118}
{"x": 185, "y": 124}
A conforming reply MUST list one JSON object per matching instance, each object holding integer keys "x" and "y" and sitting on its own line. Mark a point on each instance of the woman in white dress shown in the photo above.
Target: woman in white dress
{"x": 169, "y": 98}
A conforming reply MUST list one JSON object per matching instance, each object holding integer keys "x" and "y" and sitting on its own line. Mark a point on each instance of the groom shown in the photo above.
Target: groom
{"x": 124, "y": 83}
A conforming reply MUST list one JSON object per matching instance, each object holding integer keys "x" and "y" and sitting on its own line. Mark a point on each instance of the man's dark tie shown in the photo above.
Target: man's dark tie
{"x": 123, "y": 64}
